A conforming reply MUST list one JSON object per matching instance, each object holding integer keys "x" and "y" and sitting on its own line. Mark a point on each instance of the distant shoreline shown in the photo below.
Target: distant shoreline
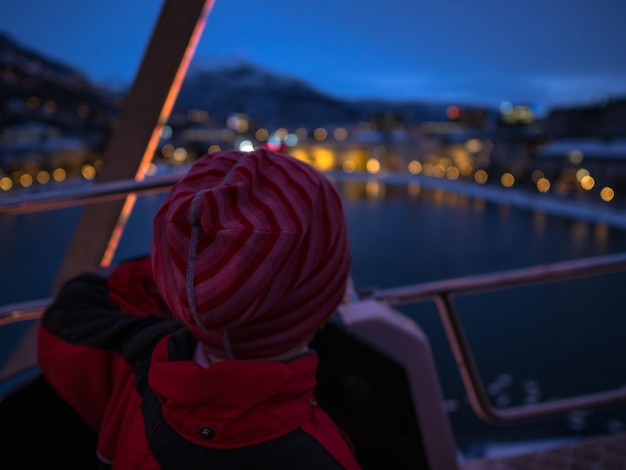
{"x": 548, "y": 203}
{"x": 595, "y": 212}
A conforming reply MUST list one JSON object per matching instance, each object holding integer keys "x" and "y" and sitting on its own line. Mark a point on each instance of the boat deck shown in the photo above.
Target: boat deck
{"x": 597, "y": 453}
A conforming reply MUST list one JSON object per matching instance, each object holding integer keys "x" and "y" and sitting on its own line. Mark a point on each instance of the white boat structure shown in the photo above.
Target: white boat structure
{"x": 408, "y": 419}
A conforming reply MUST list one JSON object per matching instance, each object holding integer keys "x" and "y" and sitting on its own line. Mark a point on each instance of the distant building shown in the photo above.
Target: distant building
{"x": 40, "y": 144}
{"x": 606, "y": 120}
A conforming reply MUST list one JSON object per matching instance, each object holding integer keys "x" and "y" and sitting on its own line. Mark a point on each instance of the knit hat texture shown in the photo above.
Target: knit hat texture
{"x": 250, "y": 250}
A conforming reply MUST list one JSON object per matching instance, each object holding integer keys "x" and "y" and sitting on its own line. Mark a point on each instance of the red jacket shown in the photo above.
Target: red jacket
{"x": 129, "y": 371}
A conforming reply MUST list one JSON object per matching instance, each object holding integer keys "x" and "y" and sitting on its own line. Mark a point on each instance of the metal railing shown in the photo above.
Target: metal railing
{"x": 442, "y": 293}
{"x": 23, "y": 311}
{"x": 102, "y": 192}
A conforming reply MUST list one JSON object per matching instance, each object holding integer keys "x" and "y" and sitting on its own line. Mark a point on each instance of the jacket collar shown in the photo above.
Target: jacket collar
{"x": 241, "y": 402}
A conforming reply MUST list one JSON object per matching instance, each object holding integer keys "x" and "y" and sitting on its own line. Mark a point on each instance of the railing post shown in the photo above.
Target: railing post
{"x": 464, "y": 358}
{"x": 132, "y": 144}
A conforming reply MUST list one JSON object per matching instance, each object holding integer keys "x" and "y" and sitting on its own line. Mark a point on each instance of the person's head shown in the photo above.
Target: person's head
{"x": 251, "y": 251}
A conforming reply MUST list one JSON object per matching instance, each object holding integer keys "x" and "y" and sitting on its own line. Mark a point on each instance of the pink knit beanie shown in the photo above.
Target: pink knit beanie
{"x": 250, "y": 250}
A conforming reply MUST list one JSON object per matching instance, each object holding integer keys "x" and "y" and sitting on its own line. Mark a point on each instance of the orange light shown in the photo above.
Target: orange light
{"x": 43, "y": 177}
{"x": 26, "y": 180}
{"x": 507, "y": 180}
{"x": 373, "y": 165}
{"x": 349, "y": 166}
{"x": 172, "y": 94}
{"x": 320, "y": 134}
{"x": 116, "y": 235}
{"x": 6, "y": 183}
{"x": 480, "y": 176}
{"x": 88, "y": 172}
{"x": 453, "y": 112}
{"x": 452, "y": 173}
{"x": 607, "y": 194}
{"x": 587, "y": 182}
{"x": 543, "y": 185}
{"x": 340, "y": 134}
{"x": 415, "y": 167}
{"x": 262, "y": 135}
{"x": 59, "y": 175}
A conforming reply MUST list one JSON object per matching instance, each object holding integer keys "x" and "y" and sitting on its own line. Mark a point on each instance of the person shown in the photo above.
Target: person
{"x": 197, "y": 355}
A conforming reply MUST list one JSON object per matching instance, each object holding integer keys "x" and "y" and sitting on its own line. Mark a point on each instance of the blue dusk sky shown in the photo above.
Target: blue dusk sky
{"x": 541, "y": 52}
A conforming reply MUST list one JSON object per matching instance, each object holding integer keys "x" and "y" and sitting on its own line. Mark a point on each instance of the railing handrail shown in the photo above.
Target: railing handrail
{"x": 551, "y": 272}
{"x": 85, "y": 194}
{"x": 559, "y": 271}
{"x": 23, "y": 311}
{"x": 443, "y": 292}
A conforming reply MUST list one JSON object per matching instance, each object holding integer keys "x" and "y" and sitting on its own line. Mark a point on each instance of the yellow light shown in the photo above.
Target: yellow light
{"x": 59, "y": 175}
{"x": 168, "y": 151}
{"x": 324, "y": 159}
{"x": 374, "y": 189}
{"x": 439, "y": 171}
{"x": 414, "y": 189}
{"x": 587, "y": 182}
{"x": 465, "y": 168}
{"x": 452, "y": 173}
{"x": 349, "y": 166}
{"x": 43, "y": 177}
{"x": 507, "y": 180}
{"x": 473, "y": 145}
{"x": 180, "y": 154}
{"x": 320, "y": 134}
{"x": 445, "y": 162}
{"x": 281, "y": 133}
{"x": 373, "y": 165}
{"x": 261, "y": 135}
{"x": 300, "y": 154}
{"x": 480, "y": 176}
{"x": 543, "y": 185}
{"x": 214, "y": 148}
{"x": 580, "y": 174}
{"x": 26, "y": 180}
{"x": 340, "y": 134}
{"x": 607, "y": 194}
{"x": 536, "y": 175}
{"x": 415, "y": 167}
{"x": 88, "y": 172}
{"x": 427, "y": 169}
{"x": 6, "y": 183}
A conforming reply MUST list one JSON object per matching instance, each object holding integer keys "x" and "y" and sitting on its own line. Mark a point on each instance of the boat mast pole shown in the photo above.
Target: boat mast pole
{"x": 133, "y": 142}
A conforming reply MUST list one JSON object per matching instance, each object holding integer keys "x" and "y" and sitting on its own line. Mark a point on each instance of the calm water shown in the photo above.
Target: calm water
{"x": 531, "y": 344}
